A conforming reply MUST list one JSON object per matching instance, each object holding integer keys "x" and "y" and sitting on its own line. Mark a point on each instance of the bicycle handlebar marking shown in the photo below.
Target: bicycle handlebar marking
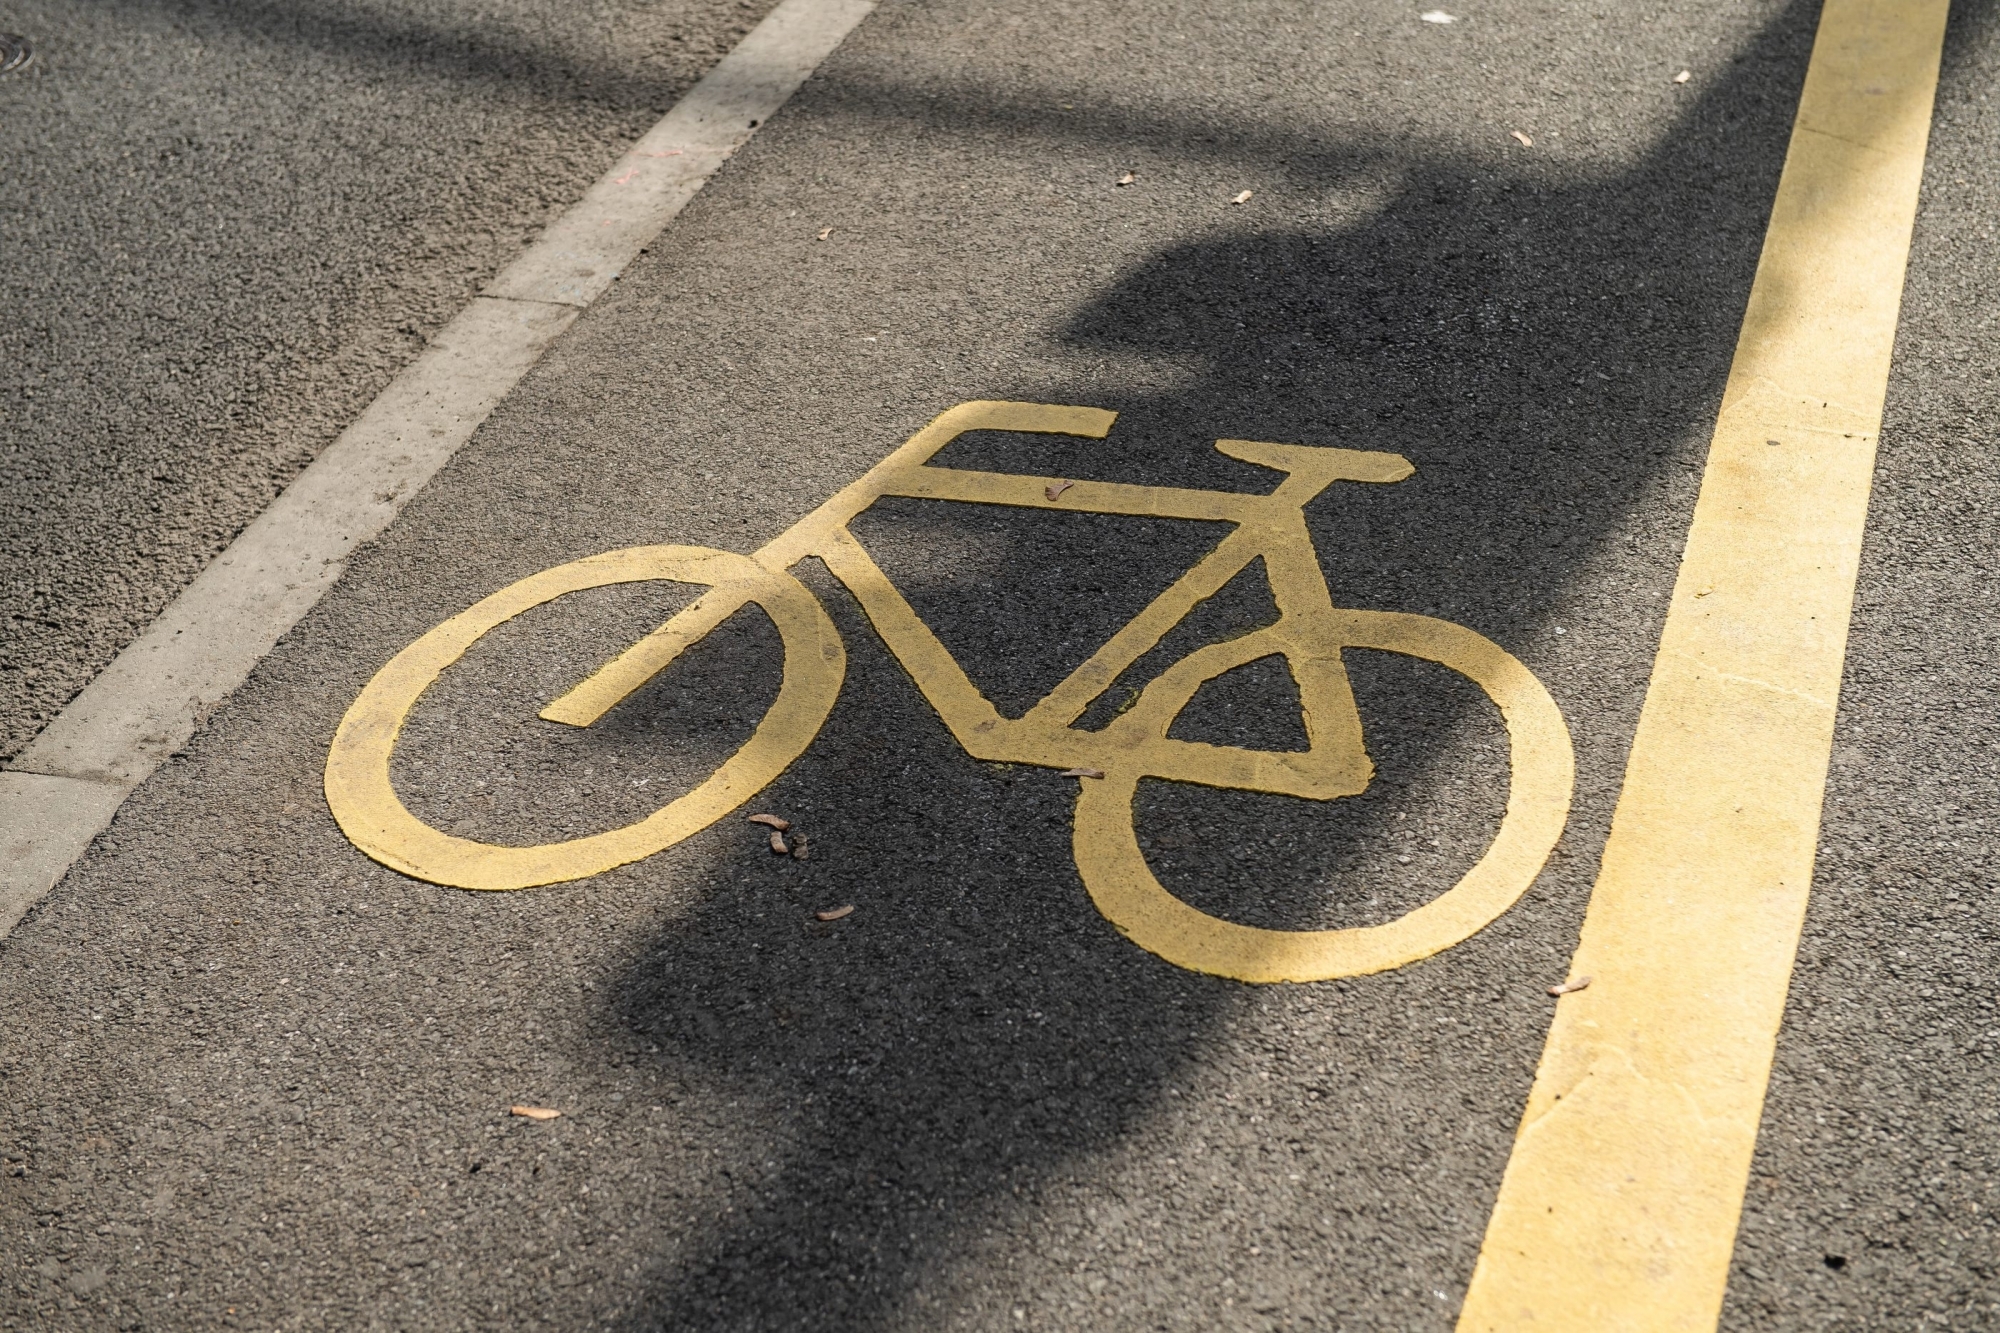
{"x": 1310, "y": 634}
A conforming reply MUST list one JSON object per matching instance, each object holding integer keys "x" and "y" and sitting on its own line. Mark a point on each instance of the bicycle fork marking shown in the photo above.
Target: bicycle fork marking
{"x": 1310, "y": 634}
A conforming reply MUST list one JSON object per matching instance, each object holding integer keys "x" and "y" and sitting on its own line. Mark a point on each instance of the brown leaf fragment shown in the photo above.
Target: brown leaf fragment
{"x": 1571, "y": 987}
{"x": 778, "y": 843}
{"x": 833, "y": 913}
{"x": 1683, "y": 76}
{"x": 798, "y": 847}
{"x": 1243, "y": 198}
{"x": 1526, "y": 142}
{"x": 825, "y": 232}
{"x": 533, "y": 1112}
{"x": 1128, "y": 178}
{"x": 1055, "y": 492}
{"x": 770, "y": 821}
{"x": 1082, "y": 773}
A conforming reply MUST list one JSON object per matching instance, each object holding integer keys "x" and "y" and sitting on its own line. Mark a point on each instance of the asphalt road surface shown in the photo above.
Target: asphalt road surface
{"x": 225, "y": 224}
{"x": 251, "y": 1078}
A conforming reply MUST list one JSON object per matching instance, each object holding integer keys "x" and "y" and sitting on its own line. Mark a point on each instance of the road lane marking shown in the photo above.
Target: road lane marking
{"x": 1310, "y": 636}
{"x": 65, "y": 787}
{"x": 1619, "y": 1205}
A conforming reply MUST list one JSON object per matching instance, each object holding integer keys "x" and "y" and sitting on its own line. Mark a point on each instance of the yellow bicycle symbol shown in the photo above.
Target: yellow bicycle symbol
{"x": 1310, "y": 634}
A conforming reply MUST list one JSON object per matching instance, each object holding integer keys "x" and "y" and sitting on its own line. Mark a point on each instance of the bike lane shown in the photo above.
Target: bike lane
{"x": 260, "y": 1075}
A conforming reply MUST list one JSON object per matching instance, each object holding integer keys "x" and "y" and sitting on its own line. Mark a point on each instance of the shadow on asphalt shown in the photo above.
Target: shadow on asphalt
{"x": 517, "y": 56}
{"x": 1545, "y": 353}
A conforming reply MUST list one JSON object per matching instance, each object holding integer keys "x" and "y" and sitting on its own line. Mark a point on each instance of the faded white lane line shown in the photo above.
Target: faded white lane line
{"x": 64, "y": 789}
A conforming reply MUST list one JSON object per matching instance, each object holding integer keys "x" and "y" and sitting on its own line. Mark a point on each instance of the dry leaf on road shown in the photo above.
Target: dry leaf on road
{"x": 1083, "y": 773}
{"x": 825, "y": 232}
{"x": 798, "y": 846}
{"x": 1243, "y": 198}
{"x": 1128, "y": 178}
{"x": 1570, "y": 987}
{"x": 1526, "y": 142}
{"x": 1437, "y": 16}
{"x": 1683, "y": 76}
{"x": 533, "y": 1112}
{"x": 1055, "y": 492}
{"x": 833, "y": 913}
{"x": 778, "y": 843}
{"x": 770, "y": 821}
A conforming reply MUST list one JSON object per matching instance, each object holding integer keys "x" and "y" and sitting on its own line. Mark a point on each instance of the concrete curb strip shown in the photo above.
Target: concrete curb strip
{"x": 65, "y": 787}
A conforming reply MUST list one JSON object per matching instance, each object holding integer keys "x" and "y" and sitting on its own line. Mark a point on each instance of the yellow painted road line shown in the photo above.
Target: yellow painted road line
{"x": 1618, "y": 1210}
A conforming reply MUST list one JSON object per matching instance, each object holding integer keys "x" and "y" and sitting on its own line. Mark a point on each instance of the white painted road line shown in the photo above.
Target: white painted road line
{"x": 64, "y": 789}
{"x": 577, "y": 258}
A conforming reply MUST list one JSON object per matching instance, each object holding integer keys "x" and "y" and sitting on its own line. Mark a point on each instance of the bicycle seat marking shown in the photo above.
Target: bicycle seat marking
{"x": 1310, "y": 634}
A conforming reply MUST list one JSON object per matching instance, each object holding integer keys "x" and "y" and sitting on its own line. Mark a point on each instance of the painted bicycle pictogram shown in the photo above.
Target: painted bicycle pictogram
{"x": 1310, "y": 633}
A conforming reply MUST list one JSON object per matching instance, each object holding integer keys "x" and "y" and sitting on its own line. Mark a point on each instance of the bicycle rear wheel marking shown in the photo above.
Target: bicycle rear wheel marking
{"x": 1542, "y": 769}
{"x": 369, "y": 812}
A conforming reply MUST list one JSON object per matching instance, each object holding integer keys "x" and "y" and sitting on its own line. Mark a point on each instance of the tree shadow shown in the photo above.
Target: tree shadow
{"x": 1548, "y": 355}
{"x": 519, "y": 57}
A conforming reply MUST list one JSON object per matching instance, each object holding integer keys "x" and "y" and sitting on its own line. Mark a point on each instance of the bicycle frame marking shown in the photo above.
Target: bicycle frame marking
{"x": 1271, "y": 525}
{"x": 1310, "y": 634}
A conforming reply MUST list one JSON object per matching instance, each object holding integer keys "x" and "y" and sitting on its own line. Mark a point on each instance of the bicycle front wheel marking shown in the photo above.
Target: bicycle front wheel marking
{"x": 364, "y": 801}
{"x": 1541, "y": 775}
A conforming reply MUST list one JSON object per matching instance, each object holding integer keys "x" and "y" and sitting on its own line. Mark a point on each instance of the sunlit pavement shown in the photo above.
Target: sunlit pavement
{"x": 255, "y": 1078}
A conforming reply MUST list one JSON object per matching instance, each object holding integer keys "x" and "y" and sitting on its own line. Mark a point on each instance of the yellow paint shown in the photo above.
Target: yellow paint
{"x": 1618, "y": 1210}
{"x": 363, "y": 799}
{"x": 1310, "y": 634}
{"x": 1124, "y": 889}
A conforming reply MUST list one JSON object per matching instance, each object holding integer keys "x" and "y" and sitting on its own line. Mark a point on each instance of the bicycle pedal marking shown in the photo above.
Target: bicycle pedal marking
{"x": 1310, "y": 634}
